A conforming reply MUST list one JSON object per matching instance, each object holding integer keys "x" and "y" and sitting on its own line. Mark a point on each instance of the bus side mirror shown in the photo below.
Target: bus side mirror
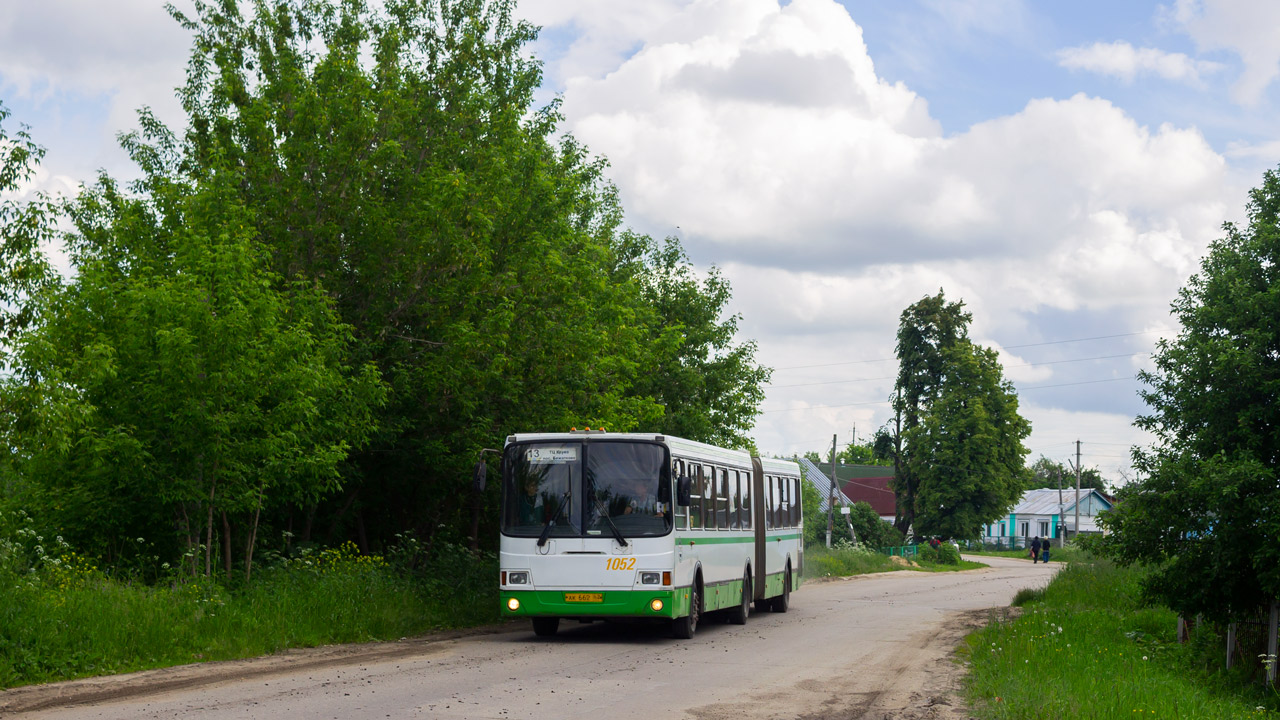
{"x": 477, "y": 480}
{"x": 683, "y": 491}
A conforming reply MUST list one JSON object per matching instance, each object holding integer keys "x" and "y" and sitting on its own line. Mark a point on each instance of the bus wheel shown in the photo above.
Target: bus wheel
{"x": 684, "y": 627}
{"x": 738, "y": 615}
{"x": 783, "y": 601}
{"x": 545, "y": 626}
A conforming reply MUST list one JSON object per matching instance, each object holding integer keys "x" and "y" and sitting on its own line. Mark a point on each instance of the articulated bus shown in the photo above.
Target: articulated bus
{"x": 609, "y": 526}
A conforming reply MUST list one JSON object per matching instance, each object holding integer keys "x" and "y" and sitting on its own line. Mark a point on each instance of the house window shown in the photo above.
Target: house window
{"x": 1044, "y": 528}
{"x": 1026, "y": 527}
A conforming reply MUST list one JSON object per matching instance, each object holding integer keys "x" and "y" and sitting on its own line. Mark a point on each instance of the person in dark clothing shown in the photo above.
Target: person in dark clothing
{"x": 1044, "y": 552}
{"x": 1035, "y": 550}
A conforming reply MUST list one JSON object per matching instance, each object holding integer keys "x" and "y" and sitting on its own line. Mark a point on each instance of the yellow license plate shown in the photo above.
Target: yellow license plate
{"x": 584, "y": 597}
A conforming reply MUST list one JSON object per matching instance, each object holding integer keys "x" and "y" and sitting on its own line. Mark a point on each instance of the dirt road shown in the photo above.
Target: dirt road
{"x": 875, "y": 646}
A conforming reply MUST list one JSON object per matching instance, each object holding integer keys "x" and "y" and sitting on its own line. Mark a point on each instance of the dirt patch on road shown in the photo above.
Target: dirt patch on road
{"x": 182, "y": 677}
{"x": 922, "y": 680}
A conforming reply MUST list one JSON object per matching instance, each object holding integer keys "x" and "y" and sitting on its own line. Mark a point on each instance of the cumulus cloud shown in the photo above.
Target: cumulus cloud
{"x": 1247, "y": 28}
{"x": 832, "y": 198}
{"x": 1122, "y": 60}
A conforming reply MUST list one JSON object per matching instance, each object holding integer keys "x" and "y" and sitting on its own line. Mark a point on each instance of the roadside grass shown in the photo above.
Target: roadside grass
{"x": 67, "y": 619}
{"x": 845, "y": 559}
{"x": 1087, "y": 647}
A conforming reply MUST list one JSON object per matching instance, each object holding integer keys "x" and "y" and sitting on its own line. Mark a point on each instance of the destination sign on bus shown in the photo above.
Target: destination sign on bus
{"x": 552, "y": 455}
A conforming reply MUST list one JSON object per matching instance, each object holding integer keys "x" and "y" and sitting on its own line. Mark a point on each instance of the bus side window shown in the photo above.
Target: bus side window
{"x": 735, "y": 500}
{"x": 695, "y": 496}
{"x": 784, "y": 508}
{"x": 722, "y": 500}
{"x": 746, "y": 499}
{"x": 768, "y": 501}
{"x": 795, "y": 502}
{"x": 778, "y": 501}
{"x": 708, "y": 498}
{"x": 681, "y": 514}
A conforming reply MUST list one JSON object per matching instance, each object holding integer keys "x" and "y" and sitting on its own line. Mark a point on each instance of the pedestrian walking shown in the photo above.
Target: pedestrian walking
{"x": 1035, "y": 550}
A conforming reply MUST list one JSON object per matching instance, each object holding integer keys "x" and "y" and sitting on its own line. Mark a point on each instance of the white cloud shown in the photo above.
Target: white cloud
{"x": 1122, "y": 60}
{"x": 833, "y": 200}
{"x": 1248, "y": 28}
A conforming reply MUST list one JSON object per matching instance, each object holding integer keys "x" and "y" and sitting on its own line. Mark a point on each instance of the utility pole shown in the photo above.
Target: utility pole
{"x": 1061, "y": 522}
{"x": 831, "y": 499}
{"x": 1077, "y": 488}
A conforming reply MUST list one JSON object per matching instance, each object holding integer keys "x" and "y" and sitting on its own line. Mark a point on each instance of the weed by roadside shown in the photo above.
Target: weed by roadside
{"x": 1087, "y": 647}
{"x": 62, "y": 617}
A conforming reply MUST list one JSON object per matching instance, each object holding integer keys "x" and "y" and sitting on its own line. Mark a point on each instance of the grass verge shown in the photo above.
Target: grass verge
{"x": 69, "y": 620}
{"x": 1086, "y": 647}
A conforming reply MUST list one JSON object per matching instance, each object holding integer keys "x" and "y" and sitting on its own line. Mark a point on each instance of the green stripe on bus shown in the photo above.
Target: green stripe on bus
{"x": 718, "y": 540}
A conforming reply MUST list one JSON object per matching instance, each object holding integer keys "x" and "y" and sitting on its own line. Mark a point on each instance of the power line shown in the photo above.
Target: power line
{"x": 1006, "y": 367}
{"x": 1006, "y": 347}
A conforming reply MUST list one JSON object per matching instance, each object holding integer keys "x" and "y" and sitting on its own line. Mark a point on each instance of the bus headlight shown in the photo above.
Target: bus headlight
{"x": 656, "y": 604}
{"x": 650, "y": 578}
{"x": 513, "y": 604}
{"x": 518, "y": 577}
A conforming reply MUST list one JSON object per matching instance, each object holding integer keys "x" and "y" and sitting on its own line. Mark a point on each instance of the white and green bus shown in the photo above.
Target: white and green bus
{"x": 603, "y": 526}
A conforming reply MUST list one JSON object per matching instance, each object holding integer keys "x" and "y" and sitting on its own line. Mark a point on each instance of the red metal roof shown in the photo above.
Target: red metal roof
{"x": 872, "y": 490}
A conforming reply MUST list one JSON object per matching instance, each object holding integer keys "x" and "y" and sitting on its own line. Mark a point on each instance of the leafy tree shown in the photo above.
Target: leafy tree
{"x": 24, "y": 228}
{"x": 871, "y": 530}
{"x": 174, "y": 380}
{"x": 926, "y": 330}
{"x": 393, "y": 155}
{"x": 1046, "y": 473}
{"x": 966, "y": 452}
{"x": 1205, "y": 513}
{"x": 863, "y": 454}
{"x": 710, "y": 388}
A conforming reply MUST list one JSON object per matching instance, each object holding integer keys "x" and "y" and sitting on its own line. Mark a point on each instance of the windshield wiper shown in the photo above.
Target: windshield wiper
{"x": 564, "y": 500}
{"x": 617, "y": 534}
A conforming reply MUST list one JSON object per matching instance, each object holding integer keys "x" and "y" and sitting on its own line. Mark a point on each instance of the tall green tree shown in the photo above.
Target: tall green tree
{"x": 174, "y": 380}
{"x": 966, "y": 452}
{"x": 393, "y": 154}
{"x": 1205, "y": 511}
{"x": 926, "y": 331}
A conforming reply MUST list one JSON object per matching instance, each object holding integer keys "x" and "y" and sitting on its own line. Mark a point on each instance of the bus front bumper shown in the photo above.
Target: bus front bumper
{"x": 596, "y": 603}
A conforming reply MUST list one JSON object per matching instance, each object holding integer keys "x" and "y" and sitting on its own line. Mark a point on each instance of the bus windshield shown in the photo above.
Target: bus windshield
{"x": 623, "y": 483}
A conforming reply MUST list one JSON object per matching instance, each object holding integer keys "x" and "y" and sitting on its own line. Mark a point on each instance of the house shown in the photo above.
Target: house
{"x": 1047, "y": 513}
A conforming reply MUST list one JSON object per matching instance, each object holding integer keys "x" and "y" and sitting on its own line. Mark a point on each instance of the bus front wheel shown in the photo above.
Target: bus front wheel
{"x": 545, "y": 626}
{"x": 683, "y": 628}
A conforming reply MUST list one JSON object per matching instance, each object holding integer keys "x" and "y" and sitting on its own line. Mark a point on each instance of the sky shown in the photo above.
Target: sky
{"x": 1061, "y": 168}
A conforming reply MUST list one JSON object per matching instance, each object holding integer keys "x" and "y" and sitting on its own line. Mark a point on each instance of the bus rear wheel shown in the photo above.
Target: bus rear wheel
{"x": 683, "y": 628}
{"x": 738, "y": 615}
{"x": 780, "y": 603}
{"x": 545, "y": 626}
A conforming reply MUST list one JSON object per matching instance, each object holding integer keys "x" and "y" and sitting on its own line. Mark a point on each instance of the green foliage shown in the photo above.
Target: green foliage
{"x": 175, "y": 378}
{"x": 957, "y": 435}
{"x": 864, "y": 454}
{"x": 1045, "y": 473}
{"x": 314, "y": 597}
{"x": 845, "y": 559}
{"x": 1206, "y": 512}
{"x": 394, "y": 156}
{"x": 1093, "y": 649}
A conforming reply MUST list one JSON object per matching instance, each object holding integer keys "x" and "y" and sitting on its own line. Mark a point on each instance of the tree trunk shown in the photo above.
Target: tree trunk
{"x": 226, "y": 544}
{"x": 253, "y": 533}
{"x": 208, "y": 537}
